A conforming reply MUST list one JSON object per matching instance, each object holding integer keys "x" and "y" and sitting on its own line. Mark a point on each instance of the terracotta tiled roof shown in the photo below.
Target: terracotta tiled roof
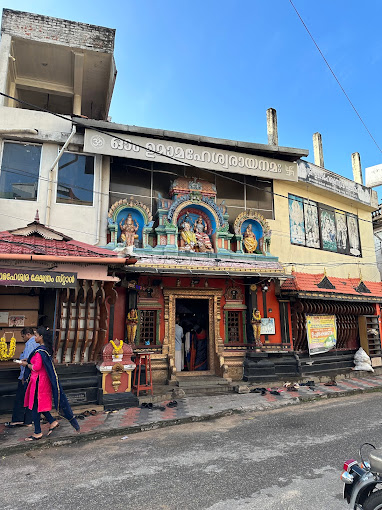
{"x": 37, "y": 245}
{"x": 306, "y": 282}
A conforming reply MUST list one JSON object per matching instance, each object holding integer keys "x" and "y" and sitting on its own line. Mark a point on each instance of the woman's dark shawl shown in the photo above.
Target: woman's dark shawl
{"x": 59, "y": 398}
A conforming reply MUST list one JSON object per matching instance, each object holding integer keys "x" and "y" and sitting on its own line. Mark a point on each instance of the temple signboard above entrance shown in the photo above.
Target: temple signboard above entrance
{"x": 150, "y": 149}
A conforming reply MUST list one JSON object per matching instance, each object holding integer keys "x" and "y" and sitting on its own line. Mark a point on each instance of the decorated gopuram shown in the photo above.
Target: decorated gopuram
{"x": 196, "y": 267}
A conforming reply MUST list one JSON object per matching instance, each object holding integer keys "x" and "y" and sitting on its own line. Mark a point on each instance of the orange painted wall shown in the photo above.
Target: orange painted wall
{"x": 273, "y": 304}
{"x": 119, "y": 314}
{"x": 185, "y": 282}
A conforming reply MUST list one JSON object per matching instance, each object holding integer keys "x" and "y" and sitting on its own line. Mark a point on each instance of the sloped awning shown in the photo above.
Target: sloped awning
{"x": 194, "y": 265}
{"x": 36, "y": 242}
{"x": 320, "y": 286}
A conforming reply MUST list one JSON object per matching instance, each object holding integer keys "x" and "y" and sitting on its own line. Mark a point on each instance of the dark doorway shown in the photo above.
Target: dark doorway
{"x": 192, "y": 316}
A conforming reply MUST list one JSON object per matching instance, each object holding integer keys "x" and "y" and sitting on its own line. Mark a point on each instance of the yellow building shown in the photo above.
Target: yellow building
{"x": 309, "y": 255}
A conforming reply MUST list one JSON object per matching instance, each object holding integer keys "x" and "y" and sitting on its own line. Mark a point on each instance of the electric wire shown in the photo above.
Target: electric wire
{"x": 19, "y": 171}
{"x": 182, "y": 163}
{"x": 335, "y": 77}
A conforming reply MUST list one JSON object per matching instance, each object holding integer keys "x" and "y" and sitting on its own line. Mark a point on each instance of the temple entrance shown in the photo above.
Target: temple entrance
{"x": 194, "y": 304}
{"x": 192, "y": 335}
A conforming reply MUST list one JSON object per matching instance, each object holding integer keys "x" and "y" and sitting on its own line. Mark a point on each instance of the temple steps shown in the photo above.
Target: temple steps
{"x": 204, "y": 385}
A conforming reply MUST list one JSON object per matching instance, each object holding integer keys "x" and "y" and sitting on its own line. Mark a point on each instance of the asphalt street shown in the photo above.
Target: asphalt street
{"x": 286, "y": 459}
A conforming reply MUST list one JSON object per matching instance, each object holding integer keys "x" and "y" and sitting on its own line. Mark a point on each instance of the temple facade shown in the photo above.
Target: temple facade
{"x": 265, "y": 260}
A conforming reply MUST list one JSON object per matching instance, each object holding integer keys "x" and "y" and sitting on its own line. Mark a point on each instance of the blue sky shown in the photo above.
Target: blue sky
{"x": 213, "y": 67}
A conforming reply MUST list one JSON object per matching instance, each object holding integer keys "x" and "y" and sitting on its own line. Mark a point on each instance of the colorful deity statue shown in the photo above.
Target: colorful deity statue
{"x": 131, "y": 325}
{"x": 202, "y": 238}
{"x": 256, "y": 326}
{"x": 188, "y": 236}
{"x": 128, "y": 230}
{"x": 249, "y": 239}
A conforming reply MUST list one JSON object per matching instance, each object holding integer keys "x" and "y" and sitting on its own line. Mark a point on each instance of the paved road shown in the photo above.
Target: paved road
{"x": 287, "y": 459}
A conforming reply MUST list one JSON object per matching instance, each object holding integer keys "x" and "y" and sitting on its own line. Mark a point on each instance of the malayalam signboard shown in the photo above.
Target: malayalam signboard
{"x": 28, "y": 278}
{"x": 152, "y": 149}
{"x": 321, "y": 332}
{"x": 313, "y": 174}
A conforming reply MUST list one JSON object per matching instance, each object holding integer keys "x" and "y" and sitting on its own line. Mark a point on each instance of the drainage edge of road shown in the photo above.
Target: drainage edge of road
{"x": 123, "y": 431}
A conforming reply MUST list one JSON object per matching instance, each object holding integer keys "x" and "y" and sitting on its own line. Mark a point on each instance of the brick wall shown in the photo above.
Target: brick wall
{"x": 59, "y": 31}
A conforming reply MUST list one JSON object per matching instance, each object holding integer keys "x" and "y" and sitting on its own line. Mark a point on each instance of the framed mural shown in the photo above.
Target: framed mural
{"x": 319, "y": 226}
{"x": 296, "y": 220}
{"x": 353, "y": 231}
{"x": 312, "y": 230}
{"x": 328, "y": 230}
{"x": 342, "y": 232}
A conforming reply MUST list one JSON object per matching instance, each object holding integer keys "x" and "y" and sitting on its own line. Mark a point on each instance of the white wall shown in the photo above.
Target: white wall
{"x": 84, "y": 223}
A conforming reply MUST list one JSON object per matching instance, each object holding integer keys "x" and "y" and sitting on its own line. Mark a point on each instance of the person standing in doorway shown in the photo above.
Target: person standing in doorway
{"x": 22, "y": 415}
{"x": 178, "y": 345}
{"x": 199, "y": 349}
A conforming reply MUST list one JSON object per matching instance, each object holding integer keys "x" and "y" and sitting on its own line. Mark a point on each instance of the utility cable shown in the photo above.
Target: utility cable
{"x": 335, "y": 77}
{"x": 183, "y": 163}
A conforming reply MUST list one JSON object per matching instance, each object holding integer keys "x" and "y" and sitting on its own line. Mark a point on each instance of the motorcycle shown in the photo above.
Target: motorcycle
{"x": 361, "y": 481}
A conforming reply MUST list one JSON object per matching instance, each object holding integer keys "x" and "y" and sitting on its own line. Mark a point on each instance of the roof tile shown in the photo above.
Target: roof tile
{"x": 306, "y": 282}
{"x": 37, "y": 245}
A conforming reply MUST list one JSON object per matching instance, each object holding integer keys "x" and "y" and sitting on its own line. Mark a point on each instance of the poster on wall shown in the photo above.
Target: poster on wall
{"x": 268, "y": 326}
{"x": 312, "y": 231}
{"x": 296, "y": 220}
{"x": 4, "y": 317}
{"x": 354, "y": 242}
{"x": 342, "y": 232}
{"x": 16, "y": 321}
{"x": 321, "y": 331}
{"x": 328, "y": 230}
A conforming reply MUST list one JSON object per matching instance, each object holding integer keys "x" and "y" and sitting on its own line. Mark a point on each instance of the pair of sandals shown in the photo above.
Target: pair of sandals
{"x": 150, "y": 406}
{"x": 11, "y": 425}
{"x": 85, "y": 414}
{"x": 264, "y": 390}
{"x": 50, "y": 432}
{"x": 259, "y": 390}
{"x": 173, "y": 403}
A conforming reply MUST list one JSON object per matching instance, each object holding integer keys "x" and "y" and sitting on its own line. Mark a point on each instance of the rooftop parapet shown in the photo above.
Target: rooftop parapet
{"x": 37, "y": 27}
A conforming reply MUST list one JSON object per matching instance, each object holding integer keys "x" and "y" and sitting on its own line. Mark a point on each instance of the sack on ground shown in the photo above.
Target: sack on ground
{"x": 362, "y": 361}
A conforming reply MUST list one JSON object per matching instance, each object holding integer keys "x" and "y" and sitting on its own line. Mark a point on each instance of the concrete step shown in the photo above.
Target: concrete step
{"x": 200, "y": 391}
{"x": 186, "y": 382}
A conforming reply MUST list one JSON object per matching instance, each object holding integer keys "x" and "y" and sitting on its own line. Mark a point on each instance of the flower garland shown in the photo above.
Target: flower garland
{"x": 6, "y": 354}
{"x": 118, "y": 349}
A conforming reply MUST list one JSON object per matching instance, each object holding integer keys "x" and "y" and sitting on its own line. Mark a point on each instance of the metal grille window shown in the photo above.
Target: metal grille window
{"x": 234, "y": 326}
{"x": 147, "y": 330}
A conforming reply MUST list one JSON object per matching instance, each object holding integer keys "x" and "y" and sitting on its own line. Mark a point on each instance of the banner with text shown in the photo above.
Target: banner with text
{"x": 321, "y": 331}
{"x": 150, "y": 149}
{"x": 28, "y": 278}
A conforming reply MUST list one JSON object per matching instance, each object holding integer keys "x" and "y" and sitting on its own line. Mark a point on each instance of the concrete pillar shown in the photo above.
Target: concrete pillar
{"x": 77, "y": 82}
{"x": 357, "y": 169}
{"x": 5, "y": 51}
{"x": 317, "y": 150}
{"x": 273, "y": 137}
{"x": 12, "y": 92}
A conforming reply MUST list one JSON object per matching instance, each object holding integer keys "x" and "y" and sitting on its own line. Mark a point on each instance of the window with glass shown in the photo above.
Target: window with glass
{"x": 75, "y": 182}
{"x": 20, "y": 169}
{"x": 147, "y": 181}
